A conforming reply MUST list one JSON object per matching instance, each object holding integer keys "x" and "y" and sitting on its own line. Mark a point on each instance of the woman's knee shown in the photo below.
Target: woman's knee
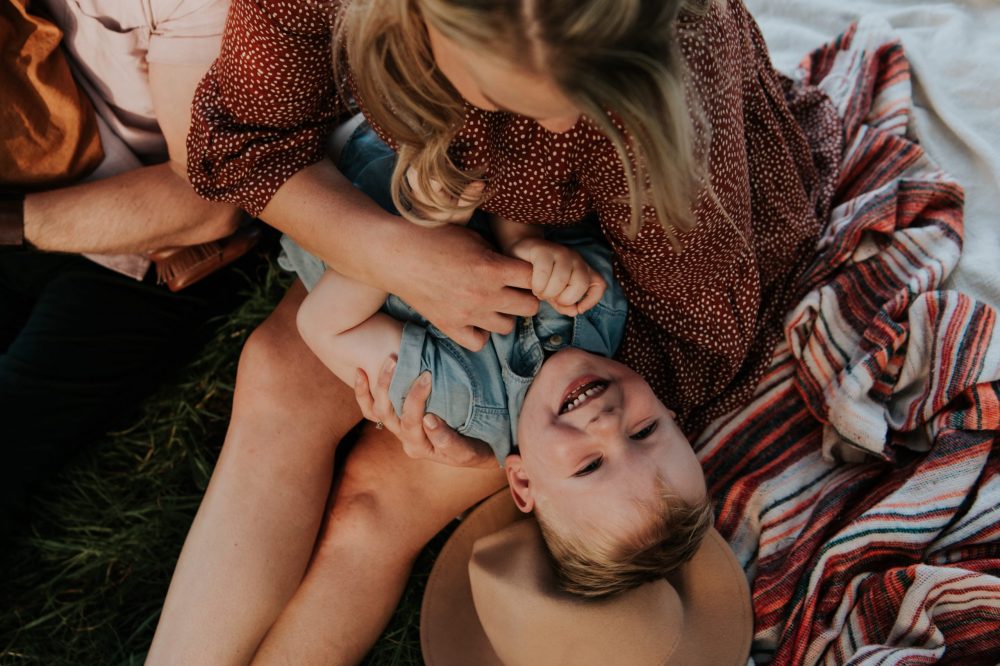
{"x": 364, "y": 530}
{"x": 276, "y": 368}
{"x": 385, "y": 500}
{"x": 284, "y": 395}
{"x": 368, "y": 513}
{"x": 273, "y": 345}
{"x": 263, "y": 359}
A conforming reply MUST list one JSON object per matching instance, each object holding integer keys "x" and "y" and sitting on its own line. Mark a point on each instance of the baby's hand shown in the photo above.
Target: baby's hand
{"x": 560, "y": 275}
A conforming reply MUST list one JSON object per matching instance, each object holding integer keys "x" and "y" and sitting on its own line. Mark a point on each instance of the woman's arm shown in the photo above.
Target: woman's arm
{"x": 449, "y": 274}
{"x": 260, "y": 122}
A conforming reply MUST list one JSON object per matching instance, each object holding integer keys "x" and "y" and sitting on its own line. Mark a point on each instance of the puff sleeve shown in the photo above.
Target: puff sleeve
{"x": 265, "y": 108}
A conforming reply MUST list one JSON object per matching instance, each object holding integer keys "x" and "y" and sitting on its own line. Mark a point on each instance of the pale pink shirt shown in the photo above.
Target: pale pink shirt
{"x": 110, "y": 44}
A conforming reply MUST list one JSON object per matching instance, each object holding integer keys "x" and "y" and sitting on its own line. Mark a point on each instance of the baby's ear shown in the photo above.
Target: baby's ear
{"x": 520, "y": 486}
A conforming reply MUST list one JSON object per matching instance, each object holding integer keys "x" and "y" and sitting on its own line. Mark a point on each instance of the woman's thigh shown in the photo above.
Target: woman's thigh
{"x": 384, "y": 507}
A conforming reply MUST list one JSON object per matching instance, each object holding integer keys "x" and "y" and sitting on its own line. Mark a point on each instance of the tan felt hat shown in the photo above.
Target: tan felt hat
{"x": 492, "y": 599}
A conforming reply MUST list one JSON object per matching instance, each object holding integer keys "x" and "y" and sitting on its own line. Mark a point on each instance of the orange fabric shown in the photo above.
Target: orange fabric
{"x": 48, "y": 131}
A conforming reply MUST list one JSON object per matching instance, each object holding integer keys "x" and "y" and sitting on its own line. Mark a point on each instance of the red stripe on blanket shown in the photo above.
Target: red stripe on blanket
{"x": 861, "y": 486}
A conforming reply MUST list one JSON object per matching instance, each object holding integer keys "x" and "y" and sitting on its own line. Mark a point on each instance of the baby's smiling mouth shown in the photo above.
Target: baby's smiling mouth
{"x": 582, "y": 394}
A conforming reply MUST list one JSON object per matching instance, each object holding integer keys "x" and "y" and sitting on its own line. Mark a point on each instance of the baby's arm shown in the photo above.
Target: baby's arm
{"x": 340, "y": 321}
{"x": 559, "y": 274}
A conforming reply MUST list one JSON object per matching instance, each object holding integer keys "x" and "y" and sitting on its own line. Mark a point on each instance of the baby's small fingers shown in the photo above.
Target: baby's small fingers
{"x": 594, "y": 293}
{"x": 568, "y": 310}
{"x": 541, "y": 274}
{"x": 574, "y": 289}
{"x": 560, "y": 277}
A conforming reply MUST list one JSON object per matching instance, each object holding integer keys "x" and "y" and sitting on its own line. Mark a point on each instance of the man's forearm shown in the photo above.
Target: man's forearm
{"x": 137, "y": 211}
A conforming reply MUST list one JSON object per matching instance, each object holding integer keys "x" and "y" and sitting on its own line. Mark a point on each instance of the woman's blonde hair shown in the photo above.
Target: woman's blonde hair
{"x": 616, "y": 60}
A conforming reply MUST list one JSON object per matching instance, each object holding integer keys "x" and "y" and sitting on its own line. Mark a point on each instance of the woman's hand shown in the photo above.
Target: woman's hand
{"x": 423, "y": 436}
{"x": 451, "y": 275}
{"x": 457, "y": 280}
{"x": 454, "y": 278}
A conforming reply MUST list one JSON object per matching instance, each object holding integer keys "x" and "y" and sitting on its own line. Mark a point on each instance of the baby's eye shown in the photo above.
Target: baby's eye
{"x": 645, "y": 432}
{"x": 590, "y": 467}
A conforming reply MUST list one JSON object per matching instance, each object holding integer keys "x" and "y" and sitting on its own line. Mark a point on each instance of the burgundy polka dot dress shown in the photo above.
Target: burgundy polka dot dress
{"x": 703, "y": 322}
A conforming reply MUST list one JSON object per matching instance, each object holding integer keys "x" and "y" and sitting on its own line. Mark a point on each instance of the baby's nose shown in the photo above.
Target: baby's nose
{"x": 606, "y": 418}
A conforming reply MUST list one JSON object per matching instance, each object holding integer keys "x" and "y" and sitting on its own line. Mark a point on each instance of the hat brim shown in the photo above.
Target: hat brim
{"x": 713, "y": 587}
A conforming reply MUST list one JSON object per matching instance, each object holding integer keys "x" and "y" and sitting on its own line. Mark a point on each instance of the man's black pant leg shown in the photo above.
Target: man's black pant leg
{"x": 87, "y": 345}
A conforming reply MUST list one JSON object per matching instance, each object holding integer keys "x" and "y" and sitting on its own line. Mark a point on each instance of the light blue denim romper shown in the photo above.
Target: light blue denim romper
{"x": 480, "y": 394}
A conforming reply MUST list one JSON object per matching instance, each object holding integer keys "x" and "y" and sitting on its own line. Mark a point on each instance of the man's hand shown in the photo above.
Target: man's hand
{"x": 560, "y": 275}
{"x": 424, "y": 436}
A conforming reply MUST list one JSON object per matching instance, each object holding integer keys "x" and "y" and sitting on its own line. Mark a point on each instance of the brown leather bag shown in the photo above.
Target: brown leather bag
{"x": 180, "y": 267}
{"x": 48, "y": 131}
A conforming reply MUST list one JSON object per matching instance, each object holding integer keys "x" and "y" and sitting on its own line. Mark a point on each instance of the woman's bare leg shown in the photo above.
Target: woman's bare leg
{"x": 256, "y": 528}
{"x": 386, "y": 507}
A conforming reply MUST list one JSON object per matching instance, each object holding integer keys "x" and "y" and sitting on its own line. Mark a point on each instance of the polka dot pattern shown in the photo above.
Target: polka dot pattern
{"x": 704, "y": 321}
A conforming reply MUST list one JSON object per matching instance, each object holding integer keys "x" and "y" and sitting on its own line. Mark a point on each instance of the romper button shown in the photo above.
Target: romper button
{"x": 555, "y": 340}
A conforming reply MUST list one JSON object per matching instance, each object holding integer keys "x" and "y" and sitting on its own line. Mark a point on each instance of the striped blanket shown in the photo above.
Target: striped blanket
{"x": 861, "y": 486}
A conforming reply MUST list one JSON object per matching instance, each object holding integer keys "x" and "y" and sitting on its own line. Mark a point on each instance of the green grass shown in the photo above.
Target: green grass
{"x": 84, "y": 576}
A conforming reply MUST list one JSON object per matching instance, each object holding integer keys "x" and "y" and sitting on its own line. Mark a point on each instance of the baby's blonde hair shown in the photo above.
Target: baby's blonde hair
{"x": 594, "y": 564}
{"x": 616, "y": 60}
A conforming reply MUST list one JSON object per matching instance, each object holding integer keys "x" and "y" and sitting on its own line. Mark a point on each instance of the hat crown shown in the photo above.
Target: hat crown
{"x": 530, "y": 621}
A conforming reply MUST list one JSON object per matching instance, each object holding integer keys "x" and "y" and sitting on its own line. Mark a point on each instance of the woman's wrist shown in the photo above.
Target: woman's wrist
{"x": 11, "y": 218}
{"x": 389, "y": 249}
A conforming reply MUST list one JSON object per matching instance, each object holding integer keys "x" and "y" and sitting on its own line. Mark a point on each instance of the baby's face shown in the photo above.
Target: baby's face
{"x": 593, "y": 440}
